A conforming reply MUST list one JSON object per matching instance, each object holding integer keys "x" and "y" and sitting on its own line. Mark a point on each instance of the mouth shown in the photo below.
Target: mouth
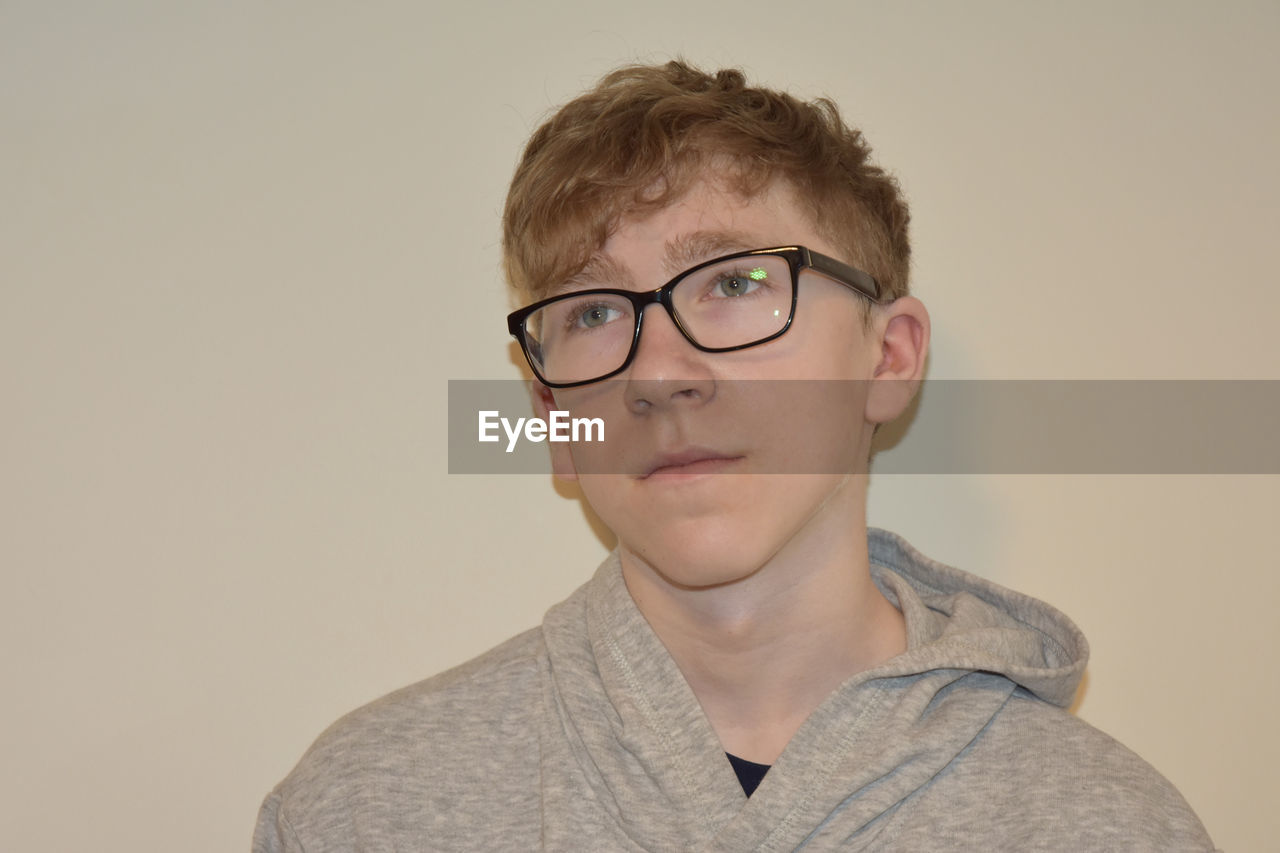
{"x": 689, "y": 463}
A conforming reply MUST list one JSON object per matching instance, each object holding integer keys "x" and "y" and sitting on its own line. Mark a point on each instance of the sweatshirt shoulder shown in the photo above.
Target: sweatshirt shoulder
{"x": 1077, "y": 782}
{"x": 464, "y": 697}
{"x": 408, "y": 750}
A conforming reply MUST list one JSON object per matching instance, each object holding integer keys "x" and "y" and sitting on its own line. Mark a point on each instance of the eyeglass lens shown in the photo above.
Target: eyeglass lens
{"x": 734, "y": 303}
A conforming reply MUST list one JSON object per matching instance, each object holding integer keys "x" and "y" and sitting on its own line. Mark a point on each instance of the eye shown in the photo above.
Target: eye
{"x": 594, "y": 316}
{"x": 741, "y": 283}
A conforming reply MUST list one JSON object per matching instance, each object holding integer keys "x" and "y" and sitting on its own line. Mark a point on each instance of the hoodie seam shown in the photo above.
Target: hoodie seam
{"x": 651, "y": 715}
{"x": 838, "y": 754}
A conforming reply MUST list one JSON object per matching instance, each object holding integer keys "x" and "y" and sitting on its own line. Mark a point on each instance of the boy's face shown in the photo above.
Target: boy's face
{"x": 694, "y": 478}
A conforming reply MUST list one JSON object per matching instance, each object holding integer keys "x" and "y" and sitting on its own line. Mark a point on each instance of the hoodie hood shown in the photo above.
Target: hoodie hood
{"x": 657, "y": 770}
{"x": 955, "y": 619}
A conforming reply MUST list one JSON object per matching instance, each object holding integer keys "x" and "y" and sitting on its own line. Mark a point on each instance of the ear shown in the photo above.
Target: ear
{"x": 561, "y": 459}
{"x": 902, "y": 329}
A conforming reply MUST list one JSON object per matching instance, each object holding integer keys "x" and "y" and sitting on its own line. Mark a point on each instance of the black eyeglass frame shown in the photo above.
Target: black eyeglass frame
{"x": 797, "y": 258}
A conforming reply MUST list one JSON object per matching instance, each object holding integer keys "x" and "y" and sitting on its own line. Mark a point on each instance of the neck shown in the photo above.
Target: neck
{"x": 762, "y": 652}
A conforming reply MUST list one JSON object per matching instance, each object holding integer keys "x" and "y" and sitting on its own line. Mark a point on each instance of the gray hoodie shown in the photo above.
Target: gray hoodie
{"x": 583, "y": 735}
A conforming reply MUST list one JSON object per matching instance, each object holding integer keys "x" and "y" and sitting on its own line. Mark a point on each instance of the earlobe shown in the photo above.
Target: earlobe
{"x": 903, "y": 328}
{"x": 561, "y": 459}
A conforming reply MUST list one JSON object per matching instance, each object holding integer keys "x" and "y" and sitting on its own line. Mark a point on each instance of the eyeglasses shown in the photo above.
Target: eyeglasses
{"x": 729, "y": 303}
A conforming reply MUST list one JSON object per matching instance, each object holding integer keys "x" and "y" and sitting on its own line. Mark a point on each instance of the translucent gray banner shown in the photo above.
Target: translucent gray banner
{"x": 808, "y": 427}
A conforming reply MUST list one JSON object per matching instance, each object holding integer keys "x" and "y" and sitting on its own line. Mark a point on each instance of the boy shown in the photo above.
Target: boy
{"x": 748, "y": 630}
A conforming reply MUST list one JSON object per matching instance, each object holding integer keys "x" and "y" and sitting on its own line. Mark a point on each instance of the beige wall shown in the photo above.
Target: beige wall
{"x": 244, "y": 245}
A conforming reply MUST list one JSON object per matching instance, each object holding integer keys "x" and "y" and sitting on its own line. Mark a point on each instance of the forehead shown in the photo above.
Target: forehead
{"x": 709, "y": 220}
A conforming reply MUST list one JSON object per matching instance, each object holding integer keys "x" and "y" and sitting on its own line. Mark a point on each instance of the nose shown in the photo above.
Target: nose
{"x": 667, "y": 370}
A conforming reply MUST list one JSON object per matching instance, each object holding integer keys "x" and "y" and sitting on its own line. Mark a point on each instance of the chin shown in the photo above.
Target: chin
{"x": 721, "y": 530}
{"x": 707, "y": 559}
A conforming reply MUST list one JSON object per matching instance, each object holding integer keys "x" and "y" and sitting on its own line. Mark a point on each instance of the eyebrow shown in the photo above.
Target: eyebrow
{"x": 599, "y": 271}
{"x": 690, "y": 249}
{"x": 682, "y": 252}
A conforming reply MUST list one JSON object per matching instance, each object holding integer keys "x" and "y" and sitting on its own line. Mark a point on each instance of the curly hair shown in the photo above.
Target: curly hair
{"x": 639, "y": 140}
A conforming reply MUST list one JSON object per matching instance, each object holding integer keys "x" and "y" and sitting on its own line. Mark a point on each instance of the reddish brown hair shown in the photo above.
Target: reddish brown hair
{"x": 644, "y": 134}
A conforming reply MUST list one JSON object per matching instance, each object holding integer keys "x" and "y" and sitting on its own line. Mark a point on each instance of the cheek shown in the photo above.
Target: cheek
{"x": 826, "y": 341}
{"x": 605, "y": 494}
{"x": 845, "y": 351}
{"x": 811, "y": 426}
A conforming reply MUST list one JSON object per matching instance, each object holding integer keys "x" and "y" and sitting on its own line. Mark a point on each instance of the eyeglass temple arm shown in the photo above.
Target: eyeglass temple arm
{"x": 843, "y": 273}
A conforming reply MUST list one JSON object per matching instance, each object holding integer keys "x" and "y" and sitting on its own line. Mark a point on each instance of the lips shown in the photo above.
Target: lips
{"x": 689, "y": 462}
